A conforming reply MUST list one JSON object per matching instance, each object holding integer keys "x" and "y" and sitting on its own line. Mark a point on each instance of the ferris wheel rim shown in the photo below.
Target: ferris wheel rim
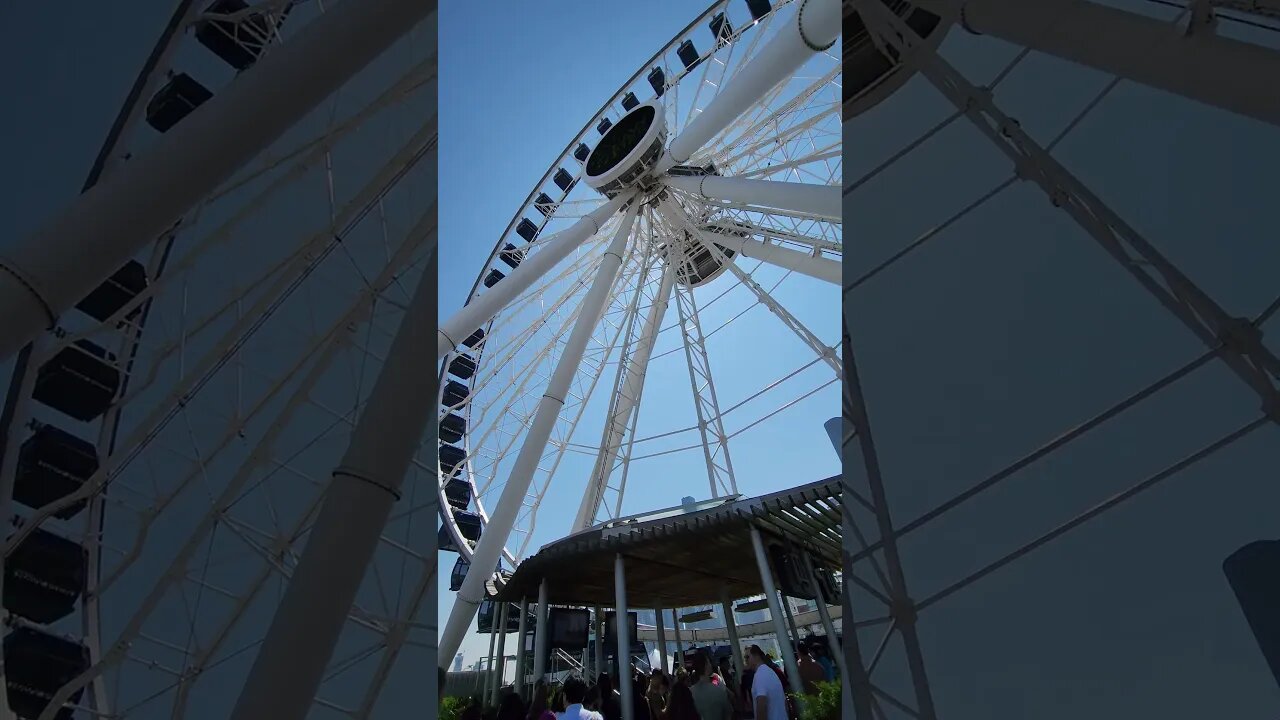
{"x": 565, "y": 158}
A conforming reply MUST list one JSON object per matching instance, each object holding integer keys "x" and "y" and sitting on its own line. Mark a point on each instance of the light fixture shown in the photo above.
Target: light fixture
{"x": 752, "y": 605}
{"x": 697, "y": 616}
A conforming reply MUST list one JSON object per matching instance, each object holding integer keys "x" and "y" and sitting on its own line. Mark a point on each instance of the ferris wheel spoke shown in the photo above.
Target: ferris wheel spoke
{"x": 807, "y": 32}
{"x": 627, "y": 389}
{"x": 467, "y": 601}
{"x": 551, "y": 251}
{"x": 818, "y": 201}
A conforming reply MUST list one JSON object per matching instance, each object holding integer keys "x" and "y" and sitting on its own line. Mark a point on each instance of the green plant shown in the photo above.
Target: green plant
{"x": 451, "y": 707}
{"x": 825, "y": 705}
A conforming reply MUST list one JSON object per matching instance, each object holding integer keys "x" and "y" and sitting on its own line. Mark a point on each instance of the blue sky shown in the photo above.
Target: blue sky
{"x": 505, "y": 116}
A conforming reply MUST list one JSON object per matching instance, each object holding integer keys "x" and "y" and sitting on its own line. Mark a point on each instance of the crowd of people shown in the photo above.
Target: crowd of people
{"x": 700, "y": 690}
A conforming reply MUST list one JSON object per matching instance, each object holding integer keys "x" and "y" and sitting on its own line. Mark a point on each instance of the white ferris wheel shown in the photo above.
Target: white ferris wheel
{"x": 168, "y": 442}
{"x": 686, "y": 242}
{"x": 1060, "y": 385}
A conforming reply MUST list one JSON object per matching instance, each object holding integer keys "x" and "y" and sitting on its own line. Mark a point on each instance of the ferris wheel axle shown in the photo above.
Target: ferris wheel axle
{"x": 820, "y": 201}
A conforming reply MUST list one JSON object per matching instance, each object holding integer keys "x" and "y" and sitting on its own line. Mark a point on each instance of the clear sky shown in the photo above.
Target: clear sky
{"x": 1013, "y": 326}
{"x": 505, "y": 115}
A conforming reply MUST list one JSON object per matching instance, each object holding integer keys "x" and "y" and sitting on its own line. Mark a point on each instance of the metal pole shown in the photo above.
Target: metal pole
{"x": 305, "y": 629}
{"x": 675, "y": 621}
{"x": 775, "y": 612}
{"x": 624, "y": 637}
{"x": 662, "y": 642}
{"x": 520, "y": 651}
{"x": 488, "y": 670}
{"x": 827, "y": 626}
{"x": 815, "y": 27}
{"x": 551, "y": 251}
{"x": 509, "y": 504}
{"x": 620, "y": 419}
{"x": 598, "y": 621}
{"x": 791, "y": 618}
{"x": 540, "y": 635}
{"x": 823, "y": 201}
{"x": 735, "y": 645}
{"x": 500, "y": 672}
{"x": 111, "y": 222}
{"x": 814, "y": 266}
{"x": 1209, "y": 68}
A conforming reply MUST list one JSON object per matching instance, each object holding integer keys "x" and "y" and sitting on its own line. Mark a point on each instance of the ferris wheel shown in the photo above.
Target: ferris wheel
{"x": 167, "y": 444}
{"x": 1060, "y": 387}
{"x": 687, "y": 238}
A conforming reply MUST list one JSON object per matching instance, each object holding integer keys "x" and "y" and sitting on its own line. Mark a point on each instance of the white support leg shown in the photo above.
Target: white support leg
{"x": 70, "y": 256}
{"x": 675, "y": 621}
{"x": 814, "y": 27}
{"x": 305, "y": 629}
{"x": 624, "y": 402}
{"x": 735, "y": 645}
{"x": 503, "y": 518}
{"x": 487, "y": 687}
{"x": 776, "y": 613}
{"x": 1215, "y": 70}
{"x": 662, "y": 640}
{"x": 624, "y": 637}
{"x": 814, "y": 266}
{"x": 819, "y": 201}
{"x": 520, "y": 651}
{"x": 541, "y": 635}
{"x": 551, "y": 251}
{"x": 500, "y": 671}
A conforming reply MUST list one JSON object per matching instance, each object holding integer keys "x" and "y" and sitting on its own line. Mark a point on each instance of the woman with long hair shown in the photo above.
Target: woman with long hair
{"x": 538, "y": 704}
{"x": 681, "y": 705}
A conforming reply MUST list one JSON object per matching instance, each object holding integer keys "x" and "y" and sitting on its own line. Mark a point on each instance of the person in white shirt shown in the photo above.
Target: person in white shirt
{"x": 574, "y": 692}
{"x": 767, "y": 696}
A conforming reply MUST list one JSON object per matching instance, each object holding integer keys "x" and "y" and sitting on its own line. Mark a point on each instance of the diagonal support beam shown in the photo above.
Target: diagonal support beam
{"x": 66, "y": 259}
{"x": 1244, "y": 353}
{"x": 551, "y": 251}
{"x": 813, "y": 28}
{"x": 1202, "y": 66}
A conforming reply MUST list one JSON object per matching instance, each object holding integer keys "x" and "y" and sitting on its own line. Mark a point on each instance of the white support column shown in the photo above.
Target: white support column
{"x": 78, "y": 250}
{"x": 624, "y": 402}
{"x": 814, "y": 266}
{"x": 365, "y": 485}
{"x": 487, "y": 687}
{"x": 836, "y": 650}
{"x": 503, "y": 518}
{"x": 551, "y": 250}
{"x": 597, "y": 621}
{"x": 820, "y": 201}
{"x": 624, "y": 637}
{"x": 791, "y": 617}
{"x": 776, "y": 613}
{"x": 500, "y": 671}
{"x": 1206, "y": 67}
{"x": 679, "y": 656}
{"x": 735, "y": 657}
{"x": 521, "y": 668}
{"x": 814, "y": 27}
{"x": 662, "y": 641}
{"x": 540, "y": 635}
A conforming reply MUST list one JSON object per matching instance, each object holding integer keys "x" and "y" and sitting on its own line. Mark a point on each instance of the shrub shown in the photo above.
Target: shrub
{"x": 823, "y": 706}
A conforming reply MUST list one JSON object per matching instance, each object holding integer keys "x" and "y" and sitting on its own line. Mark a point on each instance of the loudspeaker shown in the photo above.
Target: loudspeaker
{"x": 793, "y": 577}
